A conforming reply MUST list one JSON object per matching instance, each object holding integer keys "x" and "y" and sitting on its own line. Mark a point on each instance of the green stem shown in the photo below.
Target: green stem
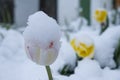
{"x": 49, "y": 73}
{"x": 104, "y": 26}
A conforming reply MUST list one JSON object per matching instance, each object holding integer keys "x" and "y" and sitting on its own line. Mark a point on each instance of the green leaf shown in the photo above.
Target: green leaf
{"x": 117, "y": 55}
{"x": 104, "y": 26}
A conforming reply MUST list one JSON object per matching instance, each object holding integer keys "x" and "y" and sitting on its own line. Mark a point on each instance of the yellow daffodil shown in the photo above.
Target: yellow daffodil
{"x": 100, "y": 15}
{"x": 83, "y": 48}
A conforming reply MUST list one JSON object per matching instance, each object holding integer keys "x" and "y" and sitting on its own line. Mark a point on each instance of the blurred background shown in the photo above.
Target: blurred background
{"x": 16, "y": 12}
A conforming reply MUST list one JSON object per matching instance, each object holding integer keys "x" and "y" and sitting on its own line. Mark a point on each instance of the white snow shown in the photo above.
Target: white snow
{"x": 78, "y": 23}
{"x": 105, "y": 46}
{"x": 84, "y": 38}
{"x": 11, "y": 45}
{"x": 90, "y": 70}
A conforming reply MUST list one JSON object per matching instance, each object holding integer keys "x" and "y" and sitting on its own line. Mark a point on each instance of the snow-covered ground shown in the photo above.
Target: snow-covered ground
{"x": 14, "y": 64}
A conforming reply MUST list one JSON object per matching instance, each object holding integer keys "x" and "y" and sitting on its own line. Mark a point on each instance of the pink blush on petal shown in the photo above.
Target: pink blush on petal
{"x": 29, "y": 52}
{"x": 51, "y": 44}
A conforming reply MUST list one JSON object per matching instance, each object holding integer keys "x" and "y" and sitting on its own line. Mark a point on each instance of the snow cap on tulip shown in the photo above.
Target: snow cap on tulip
{"x": 42, "y": 38}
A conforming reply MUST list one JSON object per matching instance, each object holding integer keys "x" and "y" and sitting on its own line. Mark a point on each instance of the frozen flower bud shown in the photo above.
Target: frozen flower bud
{"x": 42, "y": 38}
{"x": 83, "y": 46}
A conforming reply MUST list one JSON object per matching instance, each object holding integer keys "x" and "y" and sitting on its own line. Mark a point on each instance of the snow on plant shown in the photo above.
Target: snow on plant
{"x": 65, "y": 64}
{"x": 83, "y": 46}
{"x": 107, "y": 47}
{"x": 42, "y": 39}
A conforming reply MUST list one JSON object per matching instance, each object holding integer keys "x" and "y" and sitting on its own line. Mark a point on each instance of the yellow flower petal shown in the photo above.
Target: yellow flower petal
{"x": 83, "y": 50}
{"x": 100, "y": 15}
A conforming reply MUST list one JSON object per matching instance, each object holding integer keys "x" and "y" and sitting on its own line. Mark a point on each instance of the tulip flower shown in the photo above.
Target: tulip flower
{"x": 83, "y": 46}
{"x": 42, "y": 39}
{"x": 101, "y": 16}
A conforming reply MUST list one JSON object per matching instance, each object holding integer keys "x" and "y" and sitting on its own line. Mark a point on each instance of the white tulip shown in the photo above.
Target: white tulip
{"x": 42, "y": 38}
